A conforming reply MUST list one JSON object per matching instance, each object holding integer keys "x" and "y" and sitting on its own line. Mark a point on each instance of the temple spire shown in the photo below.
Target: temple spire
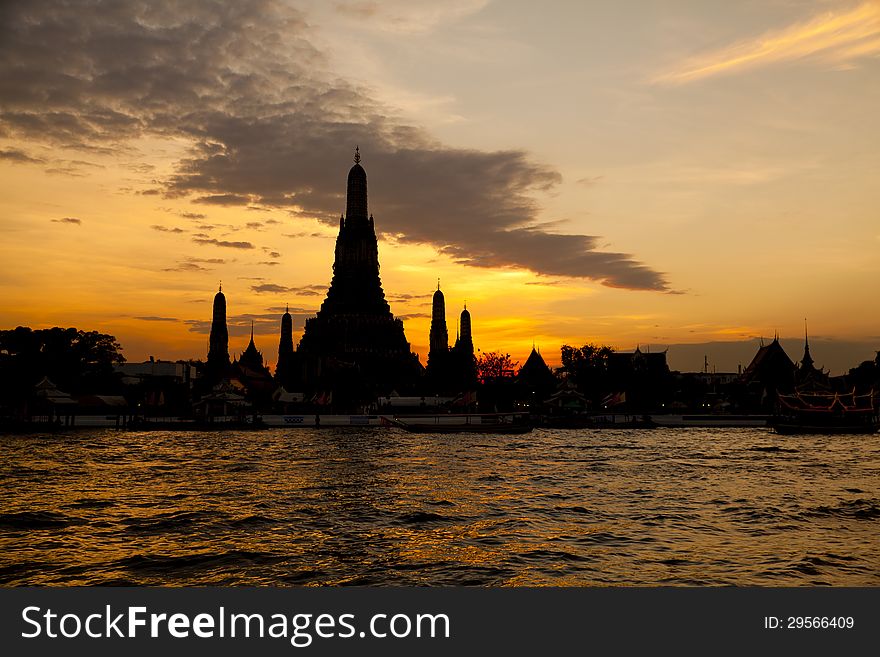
{"x": 356, "y": 210}
{"x": 218, "y": 340}
{"x": 807, "y": 360}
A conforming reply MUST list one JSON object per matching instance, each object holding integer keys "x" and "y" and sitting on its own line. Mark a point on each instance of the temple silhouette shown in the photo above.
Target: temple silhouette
{"x": 354, "y": 346}
{"x": 218, "y": 341}
{"x": 450, "y": 370}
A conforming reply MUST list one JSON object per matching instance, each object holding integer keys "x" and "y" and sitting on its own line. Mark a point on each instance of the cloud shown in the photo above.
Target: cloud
{"x": 193, "y": 264}
{"x": 269, "y": 287}
{"x": 408, "y": 297}
{"x": 408, "y": 16}
{"x": 302, "y": 291}
{"x": 166, "y": 229}
{"x": 271, "y": 126}
{"x": 589, "y": 181}
{"x": 16, "y": 155}
{"x": 224, "y": 199}
{"x": 265, "y": 324}
{"x": 270, "y": 263}
{"x": 835, "y": 37}
{"x": 193, "y": 215}
{"x": 292, "y": 309}
{"x": 152, "y": 318}
{"x": 230, "y": 245}
{"x": 67, "y": 220}
{"x": 186, "y": 266}
{"x": 298, "y": 235}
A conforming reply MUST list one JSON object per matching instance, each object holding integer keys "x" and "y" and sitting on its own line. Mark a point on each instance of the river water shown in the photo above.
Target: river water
{"x": 382, "y": 507}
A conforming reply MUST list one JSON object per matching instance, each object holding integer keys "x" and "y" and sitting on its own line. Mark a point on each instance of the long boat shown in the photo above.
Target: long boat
{"x": 465, "y": 423}
{"x": 835, "y": 413}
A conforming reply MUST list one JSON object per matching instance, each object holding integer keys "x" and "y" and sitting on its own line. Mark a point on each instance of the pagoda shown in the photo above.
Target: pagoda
{"x": 355, "y": 342}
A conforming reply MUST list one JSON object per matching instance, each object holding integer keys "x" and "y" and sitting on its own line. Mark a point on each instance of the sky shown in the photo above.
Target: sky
{"x": 630, "y": 173}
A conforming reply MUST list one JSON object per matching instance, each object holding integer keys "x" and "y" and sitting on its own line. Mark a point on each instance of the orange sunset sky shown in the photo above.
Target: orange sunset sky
{"x": 615, "y": 172}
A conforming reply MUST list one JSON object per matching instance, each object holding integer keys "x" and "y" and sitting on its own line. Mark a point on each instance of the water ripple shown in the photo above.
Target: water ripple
{"x": 687, "y": 507}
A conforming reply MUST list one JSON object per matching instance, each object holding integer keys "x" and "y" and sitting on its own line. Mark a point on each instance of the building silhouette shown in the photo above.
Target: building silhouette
{"x": 463, "y": 362}
{"x": 251, "y": 357}
{"x": 438, "y": 351}
{"x": 285, "y": 370}
{"x": 808, "y": 376}
{"x": 218, "y": 342}
{"x": 355, "y": 346}
{"x": 439, "y": 336}
{"x": 252, "y": 374}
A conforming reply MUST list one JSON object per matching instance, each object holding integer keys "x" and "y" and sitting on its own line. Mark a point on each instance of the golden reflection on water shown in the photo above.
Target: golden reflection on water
{"x": 316, "y": 507}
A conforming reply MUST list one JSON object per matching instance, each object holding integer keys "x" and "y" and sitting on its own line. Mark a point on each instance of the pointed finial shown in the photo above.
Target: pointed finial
{"x": 806, "y": 337}
{"x": 287, "y": 308}
{"x": 357, "y": 154}
{"x": 465, "y": 304}
{"x": 252, "y": 330}
{"x": 221, "y": 287}
{"x": 438, "y": 282}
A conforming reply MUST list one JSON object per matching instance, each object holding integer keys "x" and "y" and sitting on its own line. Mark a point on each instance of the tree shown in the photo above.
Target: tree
{"x": 493, "y": 365}
{"x": 587, "y": 366}
{"x": 74, "y": 360}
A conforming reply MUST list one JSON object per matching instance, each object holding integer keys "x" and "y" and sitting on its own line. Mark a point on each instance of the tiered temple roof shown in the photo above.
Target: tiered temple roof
{"x": 354, "y": 327}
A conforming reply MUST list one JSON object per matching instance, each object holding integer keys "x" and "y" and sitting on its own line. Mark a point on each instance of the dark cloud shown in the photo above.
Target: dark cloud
{"x": 16, "y": 155}
{"x": 152, "y": 318}
{"x": 193, "y": 215}
{"x": 270, "y": 288}
{"x": 408, "y": 297}
{"x": 270, "y": 263}
{"x": 195, "y": 264}
{"x": 272, "y": 127}
{"x": 302, "y": 291}
{"x": 412, "y": 316}
{"x": 224, "y": 199}
{"x": 140, "y": 167}
{"x": 296, "y": 235}
{"x": 74, "y": 168}
{"x": 268, "y": 324}
{"x": 292, "y": 309}
{"x": 231, "y": 245}
{"x": 67, "y": 220}
{"x": 186, "y": 266}
{"x": 255, "y": 225}
{"x": 166, "y": 229}
{"x": 74, "y": 172}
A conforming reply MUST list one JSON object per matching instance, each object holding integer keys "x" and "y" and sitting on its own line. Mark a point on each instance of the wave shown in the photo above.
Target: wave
{"x": 859, "y": 509}
{"x": 36, "y": 520}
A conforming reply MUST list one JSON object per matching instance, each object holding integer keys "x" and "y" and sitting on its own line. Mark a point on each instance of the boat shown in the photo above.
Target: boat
{"x": 824, "y": 413}
{"x": 464, "y": 423}
{"x": 710, "y": 420}
{"x": 595, "y": 421}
